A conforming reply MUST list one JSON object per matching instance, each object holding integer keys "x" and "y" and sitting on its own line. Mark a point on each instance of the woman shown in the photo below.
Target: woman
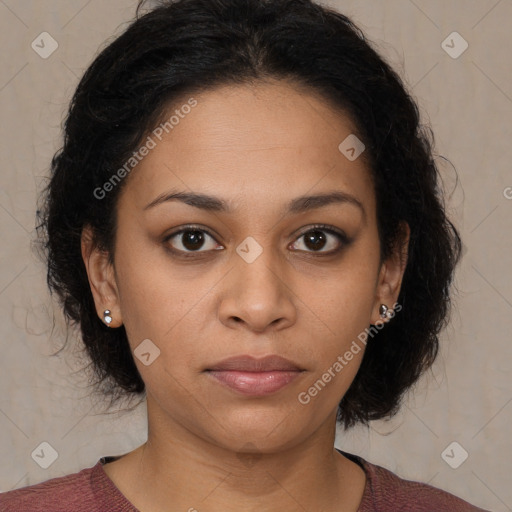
{"x": 245, "y": 222}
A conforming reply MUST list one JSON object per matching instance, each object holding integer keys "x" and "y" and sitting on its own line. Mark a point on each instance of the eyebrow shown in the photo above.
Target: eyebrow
{"x": 298, "y": 205}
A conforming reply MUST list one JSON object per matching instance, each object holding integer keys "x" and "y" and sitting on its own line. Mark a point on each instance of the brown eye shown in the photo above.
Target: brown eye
{"x": 191, "y": 240}
{"x": 321, "y": 240}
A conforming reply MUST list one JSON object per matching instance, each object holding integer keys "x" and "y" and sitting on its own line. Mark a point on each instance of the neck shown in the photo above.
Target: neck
{"x": 176, "y": 466}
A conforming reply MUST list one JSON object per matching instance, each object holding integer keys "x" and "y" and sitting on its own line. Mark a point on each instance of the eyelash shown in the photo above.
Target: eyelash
{"x": 342, "y": 238}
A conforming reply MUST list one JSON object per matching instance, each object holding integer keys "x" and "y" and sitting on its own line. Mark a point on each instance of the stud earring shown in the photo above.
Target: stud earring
{"x": 384, "y": 311}
{"x": 107, "y": 316}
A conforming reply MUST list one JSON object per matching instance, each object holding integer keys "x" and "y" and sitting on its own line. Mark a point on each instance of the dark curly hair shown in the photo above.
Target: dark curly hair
{"x": 186, "y": 46}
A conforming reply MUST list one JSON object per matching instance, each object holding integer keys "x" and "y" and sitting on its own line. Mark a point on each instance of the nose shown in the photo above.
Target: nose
{"x": 258, "y": 295}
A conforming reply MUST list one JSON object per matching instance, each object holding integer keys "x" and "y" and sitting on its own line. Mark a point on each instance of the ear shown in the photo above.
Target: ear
{"x": 391, "y": 275}
{"x": 101, "y": 278}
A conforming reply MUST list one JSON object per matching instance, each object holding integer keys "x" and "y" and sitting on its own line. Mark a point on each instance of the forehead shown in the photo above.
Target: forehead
{"x": 253, "y": 144}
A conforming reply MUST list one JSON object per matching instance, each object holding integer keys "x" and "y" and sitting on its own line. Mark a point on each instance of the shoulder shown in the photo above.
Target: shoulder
{"x": 387, "y": 492}
{"x": 71, "y": 492}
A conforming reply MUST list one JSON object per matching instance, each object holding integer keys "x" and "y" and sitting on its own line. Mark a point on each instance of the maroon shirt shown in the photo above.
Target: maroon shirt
{"x": 91, "y": 490}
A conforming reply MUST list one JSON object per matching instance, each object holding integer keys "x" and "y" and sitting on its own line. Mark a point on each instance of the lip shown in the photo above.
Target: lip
{"x": 253, "y": 364}
{"x": 255, "y": 377}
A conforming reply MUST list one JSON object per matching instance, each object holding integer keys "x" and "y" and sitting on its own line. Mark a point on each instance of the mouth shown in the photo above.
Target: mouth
{"x": 255, "y": 377}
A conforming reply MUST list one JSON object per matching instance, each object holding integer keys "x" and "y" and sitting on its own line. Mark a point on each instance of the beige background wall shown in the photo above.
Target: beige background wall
{"x": 468, "y": 100}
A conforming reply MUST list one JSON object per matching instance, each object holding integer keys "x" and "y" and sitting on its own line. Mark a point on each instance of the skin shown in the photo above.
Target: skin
{"x": 210, "y": 448}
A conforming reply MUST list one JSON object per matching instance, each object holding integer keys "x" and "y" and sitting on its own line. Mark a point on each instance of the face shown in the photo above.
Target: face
{"x": 254, "y": 271}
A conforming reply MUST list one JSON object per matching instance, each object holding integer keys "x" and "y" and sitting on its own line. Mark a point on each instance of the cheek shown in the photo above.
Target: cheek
{"x": 151, "y": 299}
{"x": 346, "y": 299}
{"x": 344, "y": 304}
{"x": 337, "y": 354}
{"x": 162, "y": 304}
